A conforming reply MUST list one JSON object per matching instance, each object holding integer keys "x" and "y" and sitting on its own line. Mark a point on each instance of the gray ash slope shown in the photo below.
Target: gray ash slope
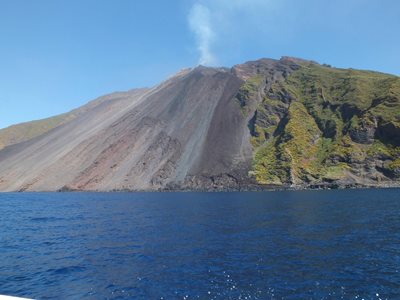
{"x": 189, "y": 132}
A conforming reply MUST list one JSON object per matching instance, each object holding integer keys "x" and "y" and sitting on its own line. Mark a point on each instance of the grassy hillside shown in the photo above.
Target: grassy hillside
{"x": 323, "y": 124}
{"x": 26, "y": 131}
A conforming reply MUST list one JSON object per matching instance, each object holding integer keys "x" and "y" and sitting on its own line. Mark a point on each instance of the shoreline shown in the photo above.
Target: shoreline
{"x": 255, "y": 188}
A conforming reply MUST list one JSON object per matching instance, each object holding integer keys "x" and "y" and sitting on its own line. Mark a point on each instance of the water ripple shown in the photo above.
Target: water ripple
{"x": 277, "y": 245}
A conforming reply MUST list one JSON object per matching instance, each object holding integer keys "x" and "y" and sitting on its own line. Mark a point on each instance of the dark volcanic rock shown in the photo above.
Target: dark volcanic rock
{"x": 389, "y": 133}
{"x": 150, "y": 139}
{"x": 363, "y": 134}
{"x": 259, "y": 125}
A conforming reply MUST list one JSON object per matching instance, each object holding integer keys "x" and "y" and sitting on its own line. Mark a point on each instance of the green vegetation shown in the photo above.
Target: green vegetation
{"x": 323, "y": 123}
{"x": 26, "y": 131}
{"x": 249, "y": 91}
{"x": 394, "y": 164}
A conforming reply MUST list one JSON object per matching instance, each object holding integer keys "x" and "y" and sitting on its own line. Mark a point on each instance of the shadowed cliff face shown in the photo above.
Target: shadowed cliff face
{"x": 323, "y": 126}
{"x": 266, "y": 122}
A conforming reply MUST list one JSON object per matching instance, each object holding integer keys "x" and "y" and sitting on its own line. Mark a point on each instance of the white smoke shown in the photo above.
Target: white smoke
{"x": 200, "y": 24}
{"x": 216, "y": 21}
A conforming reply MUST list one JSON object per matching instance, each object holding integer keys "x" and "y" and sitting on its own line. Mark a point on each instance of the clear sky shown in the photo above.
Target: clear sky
{"x": 56, "y": 55}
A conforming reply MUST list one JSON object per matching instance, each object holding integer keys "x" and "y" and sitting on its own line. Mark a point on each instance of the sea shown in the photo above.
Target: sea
{"x": 331, "y": 244}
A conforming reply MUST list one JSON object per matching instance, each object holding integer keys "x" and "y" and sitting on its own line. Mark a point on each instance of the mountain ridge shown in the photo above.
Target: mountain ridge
{"x": 258, "y": 125}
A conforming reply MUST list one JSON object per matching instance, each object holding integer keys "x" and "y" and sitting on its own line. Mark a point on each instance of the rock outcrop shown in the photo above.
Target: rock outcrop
{"x": 262, "y": 124}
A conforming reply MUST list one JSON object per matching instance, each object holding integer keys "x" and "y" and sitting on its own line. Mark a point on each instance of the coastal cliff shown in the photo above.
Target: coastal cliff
{"x": 287, "y": 123}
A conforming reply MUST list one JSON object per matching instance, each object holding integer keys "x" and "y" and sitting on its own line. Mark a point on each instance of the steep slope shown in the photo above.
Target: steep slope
{"x": 149, "y": 140}
{"x": 328, "y": 126}
{"x": 287, "y": 122}
{"x": 25, "y": 131}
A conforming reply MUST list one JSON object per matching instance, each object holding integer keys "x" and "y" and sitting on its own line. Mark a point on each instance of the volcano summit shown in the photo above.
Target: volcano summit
{"x": 261, "y": 124}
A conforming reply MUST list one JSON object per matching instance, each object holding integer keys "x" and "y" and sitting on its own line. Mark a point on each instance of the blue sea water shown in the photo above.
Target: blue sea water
{"x": 342, "y": 244}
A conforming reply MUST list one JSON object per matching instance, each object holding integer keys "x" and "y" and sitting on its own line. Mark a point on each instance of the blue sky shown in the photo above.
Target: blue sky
{"x": 57, "y": 55}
